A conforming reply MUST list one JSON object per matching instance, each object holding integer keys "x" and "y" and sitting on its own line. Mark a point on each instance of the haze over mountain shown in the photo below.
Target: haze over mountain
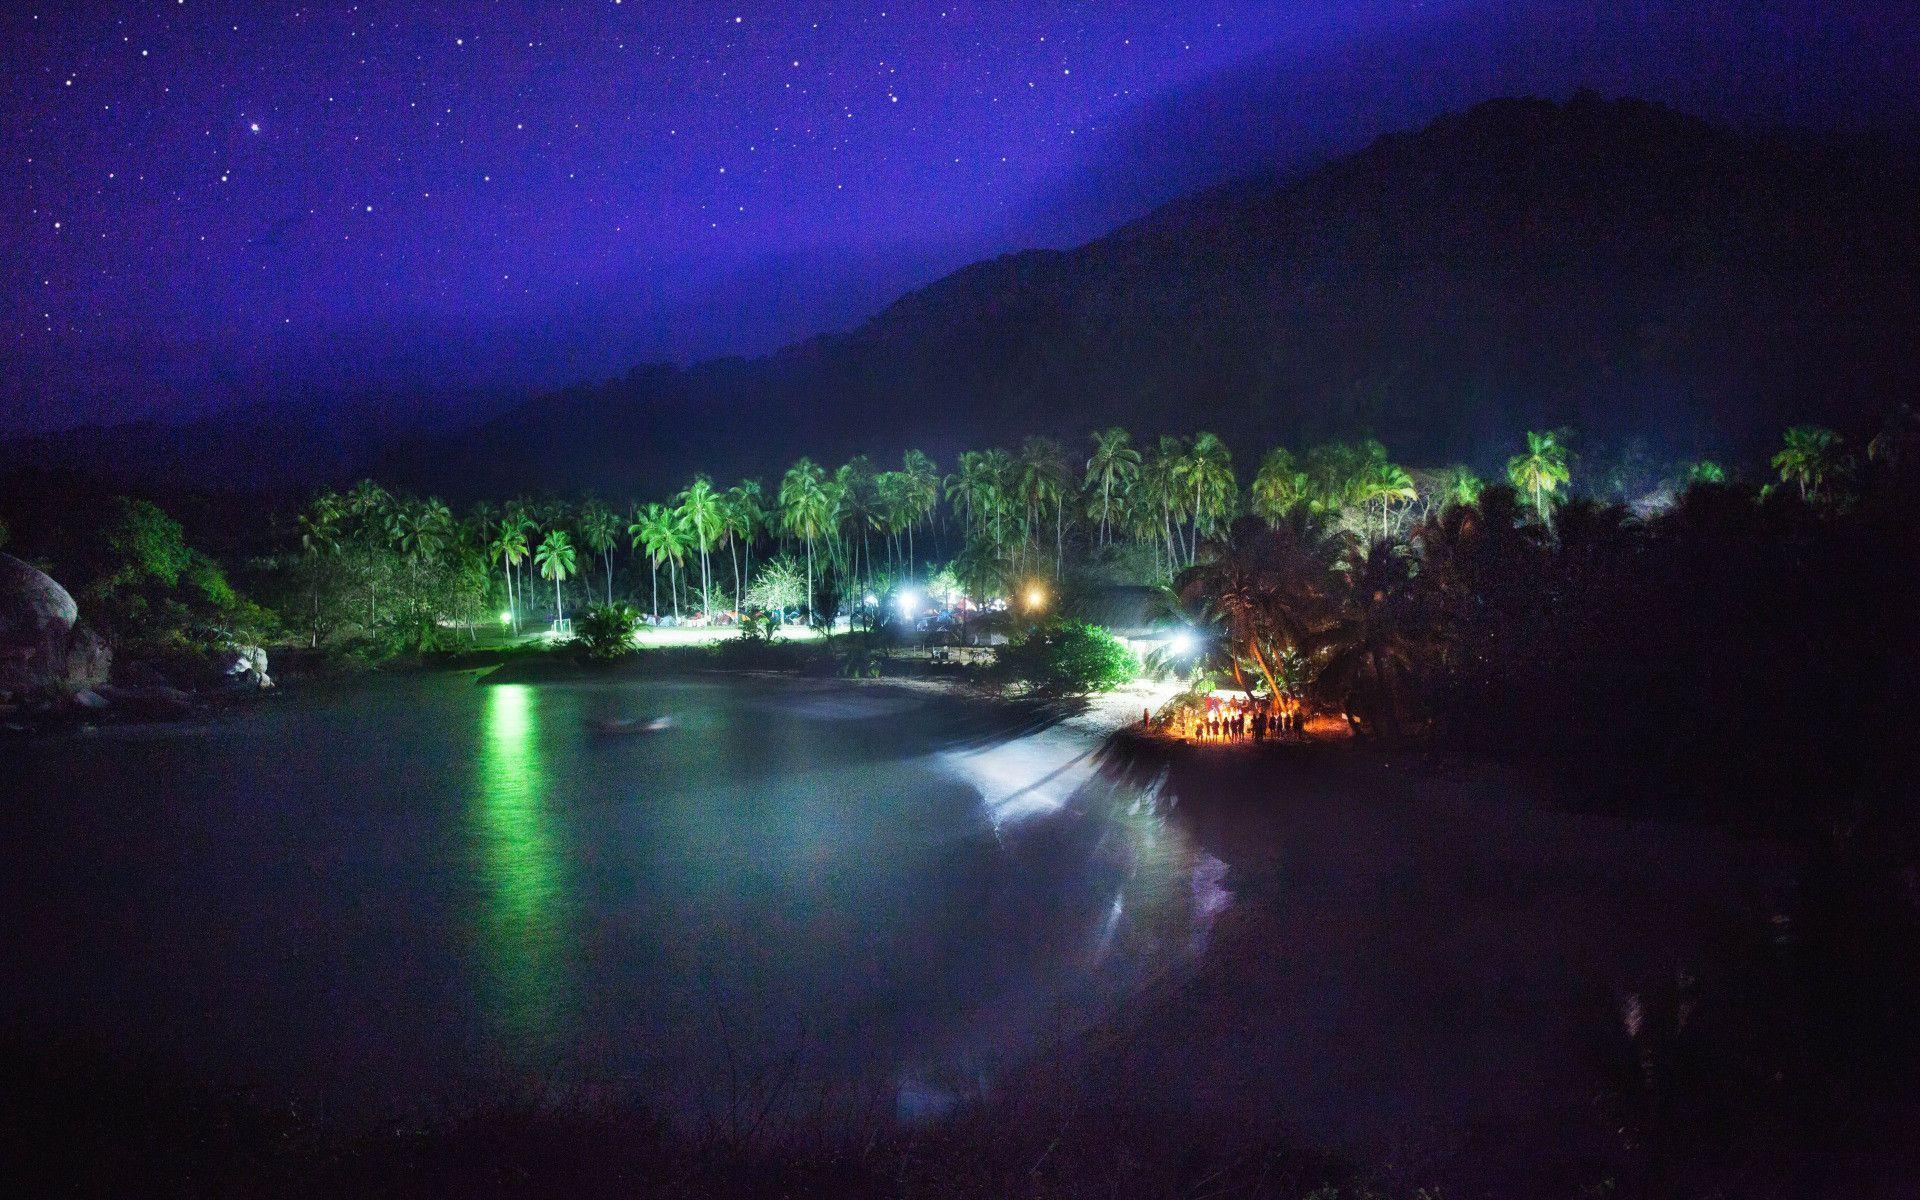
{"x": 1611, "y": 265}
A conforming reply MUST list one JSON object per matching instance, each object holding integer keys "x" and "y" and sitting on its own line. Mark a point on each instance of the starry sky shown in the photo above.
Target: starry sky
{"x": 208, "y": 203}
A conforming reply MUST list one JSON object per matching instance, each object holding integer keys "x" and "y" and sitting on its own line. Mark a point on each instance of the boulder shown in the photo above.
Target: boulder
{"x": 45, "y": 654}
{"x": 247, "y": 667}
{"x": 32, "y": 605}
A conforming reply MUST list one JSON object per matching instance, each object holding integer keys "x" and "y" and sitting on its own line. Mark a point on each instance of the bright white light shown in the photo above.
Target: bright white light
{"x": 872, "y": 600}
{"x": 909, "y": 602}
{"x": 1182, "y": 643}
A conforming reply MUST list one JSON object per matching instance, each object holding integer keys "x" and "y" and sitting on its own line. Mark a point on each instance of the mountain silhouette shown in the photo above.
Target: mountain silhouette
{"x": 1611, "y": 265}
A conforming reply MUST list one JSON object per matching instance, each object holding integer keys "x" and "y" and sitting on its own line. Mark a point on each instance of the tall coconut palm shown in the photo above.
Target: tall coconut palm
{"x": 509, "y": 548}
{"x": 1380, "y": 639}
{"x": 555, "y": 558}
{"x": 1810, "y": 457}
{"x": 1266, "y": 591}
{"x": 678, "y": 544}
{"x": 1541, "y": 471}
{"x": 419, "y": 531}
{"x": 1162, "y": 497}
{"x": 320, "y": 536}
{"x": 806, "y": 511}
{"x": 518, "y": 514}
{"x": 600, "y": 530}
{"x": 1207, "y": 473}
{"x": 1386, "y": 484}
{"x": 741, "y": 518}
{"x": 1111, "y": 469}
{"x": 893, "y": 511}
{"x": 856, "y": 515}
{"x": 1040, "y": 482}
{"x": 1279, "y": 487}
{"x": 700, "y": 513}
{"x": 974, "y": 489}
{"x": 650, "y": 532}
{"x": 922, "y": 488}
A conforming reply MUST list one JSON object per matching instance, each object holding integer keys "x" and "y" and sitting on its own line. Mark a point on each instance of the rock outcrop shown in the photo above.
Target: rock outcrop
{"x": 46, "y": 655}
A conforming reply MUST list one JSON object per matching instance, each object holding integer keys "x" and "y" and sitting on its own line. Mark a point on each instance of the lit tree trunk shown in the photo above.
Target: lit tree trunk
{"x": 733, "y": 549}
{"x": 513, "y": 615}
{"x": 706, "y": 595}
{"x": 1059, "y": 533}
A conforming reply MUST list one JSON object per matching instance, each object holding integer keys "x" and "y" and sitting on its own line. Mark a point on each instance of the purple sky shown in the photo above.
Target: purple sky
{"x": 207, "y": 202}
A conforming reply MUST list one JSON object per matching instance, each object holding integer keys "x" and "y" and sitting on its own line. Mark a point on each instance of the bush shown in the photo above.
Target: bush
{"x": 606, "y": 631}
{"x": 1072, "y": 658}
{"x": 760, "y": 626}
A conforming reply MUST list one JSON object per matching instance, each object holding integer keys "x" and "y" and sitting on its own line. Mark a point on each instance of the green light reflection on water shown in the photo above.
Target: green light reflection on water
{"x": 521, "y": 922}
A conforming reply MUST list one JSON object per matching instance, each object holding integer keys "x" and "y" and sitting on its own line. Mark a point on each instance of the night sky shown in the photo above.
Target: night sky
{"x": 210, "y": 202}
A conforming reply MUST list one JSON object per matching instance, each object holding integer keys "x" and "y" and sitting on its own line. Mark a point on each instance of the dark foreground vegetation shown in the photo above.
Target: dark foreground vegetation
{"x": 115, "y": 1132}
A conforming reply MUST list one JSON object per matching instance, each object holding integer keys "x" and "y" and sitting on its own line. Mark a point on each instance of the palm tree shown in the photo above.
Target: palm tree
{"x": 651, "y": 530}
{"x": 892, "y": 511}
{"x": 1279, "y": 487}
{"x": 700, "y": 513}
{"x": 368, "y": 499}
{"x": 806, "y": 511}
{"x": 677, "y": 540}
{"x": 857, "y": 515}
{"x": 319, "y": 539}
{"x": 922, "y": 488}
{"x": 419, "y": 531}
{"x": 1111, "y": 468}
{"x": 1266, "y": 591}
{"x": 1386, "y": 483}
{"x": 741, "y": 518}
{"x": 1162, "y": 494}
{"x": 1705, "y": 471}
{"x": 1540, "y": 471}
{"x": 1460, "y": 486}
{"x": 600, "y": 529}
{"x": 1040, "y": 479}
{"x": 974, "y": 489}
{"x": 367, "y": 509}
{"x": 1333, "y": 470}
{"x": 1207, "y": 472}
{"x": 555, "y": 558}
{"x": 508, "y": 548}
{"x": 1810, "y": 457}
{"x": 1376, "y": 645}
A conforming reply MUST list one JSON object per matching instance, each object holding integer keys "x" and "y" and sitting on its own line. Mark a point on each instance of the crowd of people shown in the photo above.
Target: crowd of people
{"x": 1235, "y": 717}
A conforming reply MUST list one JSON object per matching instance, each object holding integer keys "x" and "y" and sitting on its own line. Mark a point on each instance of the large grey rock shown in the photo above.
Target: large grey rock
{"x": 45, "y": 655}
{"x": 246, "y": 666}
{"x": 32, "y": 605}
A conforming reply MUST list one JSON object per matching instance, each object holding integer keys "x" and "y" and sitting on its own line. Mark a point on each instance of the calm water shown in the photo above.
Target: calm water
{"x": 426, "y": 888}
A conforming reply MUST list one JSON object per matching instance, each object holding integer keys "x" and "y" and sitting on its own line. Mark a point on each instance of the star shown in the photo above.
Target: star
{"x": 253, "y": 127}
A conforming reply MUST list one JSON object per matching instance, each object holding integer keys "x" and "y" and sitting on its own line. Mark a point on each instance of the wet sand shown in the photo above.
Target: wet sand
{"x": 1423, "y": 953}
